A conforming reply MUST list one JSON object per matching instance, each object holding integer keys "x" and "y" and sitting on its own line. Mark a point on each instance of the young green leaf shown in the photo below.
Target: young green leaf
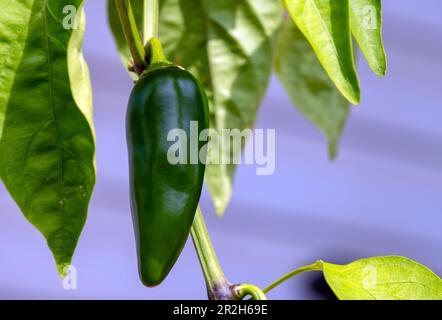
{"x": 379, "y": 278}
{"x": 308, "y": 86}
{"x": 228, "y": 45}
{"x": 47, "y": 146}
{"x": 383, "y": 278}
{"x": 326, "y": 25}
{"x": 366, "y": 26}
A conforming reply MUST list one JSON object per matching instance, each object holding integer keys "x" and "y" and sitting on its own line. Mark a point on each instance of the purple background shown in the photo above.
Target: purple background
{"x": 382, "y": 196}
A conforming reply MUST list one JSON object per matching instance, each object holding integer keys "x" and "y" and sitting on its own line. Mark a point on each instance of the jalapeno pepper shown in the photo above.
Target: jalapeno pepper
{"x": 164, "y": 194}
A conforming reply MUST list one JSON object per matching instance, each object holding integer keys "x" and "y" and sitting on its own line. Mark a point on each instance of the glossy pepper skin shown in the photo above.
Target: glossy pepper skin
{"x": 164, "y": 196}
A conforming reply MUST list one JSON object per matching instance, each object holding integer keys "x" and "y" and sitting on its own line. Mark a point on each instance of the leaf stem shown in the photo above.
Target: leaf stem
{"x": 218, "y": 287}
{"x": 243, "y": 290}
{"x": 150, "y": 20}
{"x": 317, "y": 266}
{"x": 131, "y": 34}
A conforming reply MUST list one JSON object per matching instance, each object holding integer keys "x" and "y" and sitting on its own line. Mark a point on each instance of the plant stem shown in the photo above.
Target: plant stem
{"x": 217, "y": 285}
{"x": 151, "y": 13}
{"x": 317, "y": 266}
{"x": 131, "y": 34}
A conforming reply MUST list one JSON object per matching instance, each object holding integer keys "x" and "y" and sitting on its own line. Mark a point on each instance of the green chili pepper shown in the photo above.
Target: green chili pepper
{"x": 164, "y": 195}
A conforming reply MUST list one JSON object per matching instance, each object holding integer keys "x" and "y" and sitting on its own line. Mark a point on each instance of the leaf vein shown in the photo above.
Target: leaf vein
{"x": 51, "y": 104}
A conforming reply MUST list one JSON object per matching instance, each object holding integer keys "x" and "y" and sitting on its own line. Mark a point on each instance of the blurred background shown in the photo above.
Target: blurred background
{"x": 383, "y": 195}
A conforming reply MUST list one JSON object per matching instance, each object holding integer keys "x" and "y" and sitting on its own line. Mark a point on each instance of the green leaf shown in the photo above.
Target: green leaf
{"x": 12, "y": 20}
{"x": 228, "y": 45}
{"x": 309, "y": 87}
{"x": 47, "y": 147}
{"x": 117, "y": 31}
{"x": 366, "y": 26}
{"x": 326, "y": 25}
{"x": 383, "y": 278}
{"x": 379, "y": 278}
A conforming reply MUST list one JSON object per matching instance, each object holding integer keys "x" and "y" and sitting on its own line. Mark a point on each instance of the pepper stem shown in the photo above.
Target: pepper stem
{"x": 155, "y": 52}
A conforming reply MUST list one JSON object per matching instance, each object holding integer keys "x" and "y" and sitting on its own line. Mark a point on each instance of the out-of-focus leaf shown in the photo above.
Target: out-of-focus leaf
{"x": 366, "y": 26}
{"x": 383, "y": 278}
{"x": 308, "y": 86}
{"x": 228, "y": 45}
{"x": 326, "y": 25}
{"x": 47, "y": 146}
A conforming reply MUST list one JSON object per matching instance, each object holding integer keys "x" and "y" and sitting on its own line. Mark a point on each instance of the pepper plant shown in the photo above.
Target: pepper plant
{"x": 215, "y": 67}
